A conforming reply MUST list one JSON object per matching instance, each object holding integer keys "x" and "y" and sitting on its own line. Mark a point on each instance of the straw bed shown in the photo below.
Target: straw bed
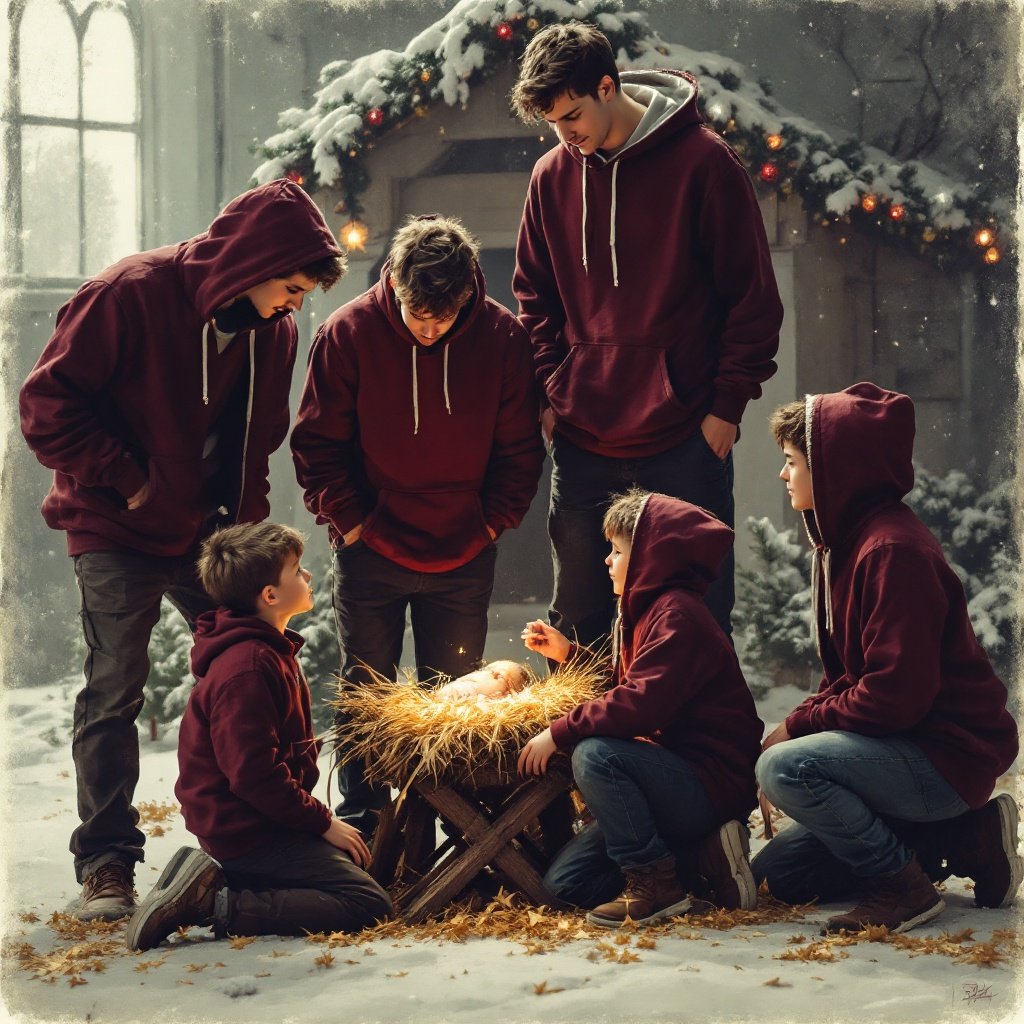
{"x": 405, "y": 732}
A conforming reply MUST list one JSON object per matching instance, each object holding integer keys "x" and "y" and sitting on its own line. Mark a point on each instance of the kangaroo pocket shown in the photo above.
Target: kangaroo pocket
{"x": 431, "y": 531}
{"x": 619, "y": 394}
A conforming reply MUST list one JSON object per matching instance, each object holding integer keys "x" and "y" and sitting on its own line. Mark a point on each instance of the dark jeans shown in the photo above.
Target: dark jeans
{"x": 582, "y": 485}
{"x": 854, "y": 801}
{"x": 647, "y": 802}
{"x": 121, "y": 594}
{"x": 449, "y": 626}
{"x": 299, "y": 885}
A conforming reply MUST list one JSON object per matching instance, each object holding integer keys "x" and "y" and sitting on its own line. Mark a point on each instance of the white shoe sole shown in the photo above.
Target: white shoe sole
{"x": 1009, "y": 820}
{"x": 735, "y": 842}
{"x": 922, "y": 918}
{"x": 671, "y": 911}
{"x": 183, "y": 869}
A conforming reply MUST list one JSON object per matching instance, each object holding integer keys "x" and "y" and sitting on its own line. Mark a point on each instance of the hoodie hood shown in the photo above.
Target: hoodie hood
{"x": 675, "y": 546}
{"x": 219, "y": 630}
{"x": 389, "y": 304}
{"x": 860, "y": 446}
{"x": 269, "y": 231}
{"x": 670, "y": 99}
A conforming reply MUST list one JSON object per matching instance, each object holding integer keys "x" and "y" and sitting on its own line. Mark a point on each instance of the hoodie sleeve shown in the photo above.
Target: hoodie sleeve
{"x": 325, "y": 434}
{"x": 517, "y": 454}
{"x": 247, "y": 744}
{"x": 535, "y": 287}
{"x": 731, "y": 235}
{"x": 902, "y": 608}
{"x": 654, "y": 688}
{"x": 58, "y": 401}
{"x": 271, "y": 417}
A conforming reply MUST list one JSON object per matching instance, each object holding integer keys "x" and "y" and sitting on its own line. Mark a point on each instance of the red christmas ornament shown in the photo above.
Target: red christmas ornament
{"x": 375, "y": 116}
{"x": 897, "y": 211}
{"x": 769, "y": 172}
{"x": 296, "y": 177}
{"x": 504, "y": 31}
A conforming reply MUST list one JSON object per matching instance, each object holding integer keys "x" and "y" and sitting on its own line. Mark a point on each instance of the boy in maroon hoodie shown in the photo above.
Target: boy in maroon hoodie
{"x": 247, "y": 766}
{"x": 642, "y": 268}
{"x": 900, "y": 748}
{"x": 157, "y": 403}
{"x": 416, "y": 443}
{"x": 665, "y": 758}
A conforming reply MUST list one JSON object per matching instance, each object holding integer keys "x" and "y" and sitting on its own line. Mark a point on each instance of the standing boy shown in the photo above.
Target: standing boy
{"x": 644, "y": 278}
{"x": 157, "y": 403}
{"x": 664, "y": 759}
{"x": 247, "y": 760}
{"x": 416, "y": 443}
{"x": 910, "y": 721}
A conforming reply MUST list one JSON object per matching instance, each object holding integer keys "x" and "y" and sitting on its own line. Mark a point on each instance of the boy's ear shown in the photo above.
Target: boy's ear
{"x": 268, "y": 595}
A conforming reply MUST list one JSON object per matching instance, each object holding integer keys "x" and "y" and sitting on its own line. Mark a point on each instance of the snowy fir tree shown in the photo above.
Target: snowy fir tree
{"x": 320, "y": 656}
{"x": 170, "y": 680}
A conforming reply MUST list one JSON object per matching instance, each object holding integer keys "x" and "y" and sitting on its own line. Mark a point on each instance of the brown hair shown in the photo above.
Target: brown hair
{"x": 573, "y": 57}
{"x": 433, "y": 264}
{"x": 238, "y": 561}
{"x": 788, "y": 425}
{"x": 327, "y": 272}
{"x": 624, "y": 511}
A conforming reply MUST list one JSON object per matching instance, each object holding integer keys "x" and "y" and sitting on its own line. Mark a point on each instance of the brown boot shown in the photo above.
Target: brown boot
{"x": 982, "y": 845}
{"x": 723, "y": 860}
{"x": 652, "y": 893}
{"x": 185, "y": 894}
{"x": 899, "y": 902}
{"x": 108, "y": 894}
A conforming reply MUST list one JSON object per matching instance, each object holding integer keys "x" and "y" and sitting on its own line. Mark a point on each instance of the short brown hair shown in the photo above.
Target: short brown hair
{"x": 433, "y": 262}
{"x": 238, "y": 561}
{"x": 327, "y": 272}
{"x": 572, "y": 57}
{"x": 788, "y": 425}
{"x": 624, "y": 511}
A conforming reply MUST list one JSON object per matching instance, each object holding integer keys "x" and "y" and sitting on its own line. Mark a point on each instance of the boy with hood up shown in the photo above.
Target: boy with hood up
{"x": 900, "y": 748}
{"x": 416, "y": 443}
{"x": 642, "y": 268}
{"x": 665, "y": 758}
{"x": 157, "y": 403}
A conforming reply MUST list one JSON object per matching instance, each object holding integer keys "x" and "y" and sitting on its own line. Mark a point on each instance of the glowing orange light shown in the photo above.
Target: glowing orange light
{"x": 774, "y": 141}
{"x": 354, "y": 234}
{"x": 992, "y": 255}
{"x": 897, "y": 211}
{"x": 869, "y": 203}
{"x": 769, "y": 172}
{"x": 984, "y": 238}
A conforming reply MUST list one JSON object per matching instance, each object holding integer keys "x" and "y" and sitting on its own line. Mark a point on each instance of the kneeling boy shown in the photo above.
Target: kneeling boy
{"x": 908, "y": 731}
{"x": 247, "y": 760}
{"x": 664, "y": 759}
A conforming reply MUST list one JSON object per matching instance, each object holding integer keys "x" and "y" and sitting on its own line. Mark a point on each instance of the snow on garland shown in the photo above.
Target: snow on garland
{"x": 359, "y": 102}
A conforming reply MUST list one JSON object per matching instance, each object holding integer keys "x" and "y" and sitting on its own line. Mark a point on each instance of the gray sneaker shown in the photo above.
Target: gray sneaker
{"x": 108, "y": 893}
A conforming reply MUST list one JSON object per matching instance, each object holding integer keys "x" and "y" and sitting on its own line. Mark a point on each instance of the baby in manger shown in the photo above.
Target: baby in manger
{"x": 495, "y": 679}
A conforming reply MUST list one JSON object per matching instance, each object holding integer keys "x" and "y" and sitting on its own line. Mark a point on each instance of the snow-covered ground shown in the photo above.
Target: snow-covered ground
{"x": 547, "y": 968}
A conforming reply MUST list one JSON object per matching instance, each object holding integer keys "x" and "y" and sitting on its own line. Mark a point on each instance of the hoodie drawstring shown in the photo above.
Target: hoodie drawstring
{"x": 416, "y": 388}
{"x": 611, "y": 229}
{"x": 206, "y": 375}
{"x": 248, "y": 415}
{"x": 586, "y": 269}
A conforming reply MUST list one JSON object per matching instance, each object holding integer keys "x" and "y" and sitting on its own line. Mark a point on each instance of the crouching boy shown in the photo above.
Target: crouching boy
{"x": 900, "y": 748}
{"x": 247, "y": 766}
{"x": 665, "y": 758}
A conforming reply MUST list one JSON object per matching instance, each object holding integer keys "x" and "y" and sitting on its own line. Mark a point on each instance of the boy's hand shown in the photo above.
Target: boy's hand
{"x": 139, "y": 498}
{"x": 352, "y": 536}
{"x": 720, "y": 434}
{"x": 545, "y": 639}
{"x": 778, "y": 735}
{"x": 547, "y": 425}
{"x": 348, "y": 838}
{"x": 766, "y": 814}
{"x": 534, "y": 757}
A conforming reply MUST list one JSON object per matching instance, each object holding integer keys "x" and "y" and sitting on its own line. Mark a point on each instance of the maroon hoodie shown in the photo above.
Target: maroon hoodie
{"x": 426, "y": 446}
{"x": 246, "y": 752}
{"x": 676, "y": 678}
{"x": 131, "y": 387}
{"x": 899, "y": 652}
{"x": 645, "y": 280}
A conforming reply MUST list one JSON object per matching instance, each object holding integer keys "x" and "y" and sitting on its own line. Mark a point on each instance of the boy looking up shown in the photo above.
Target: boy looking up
{"x": 687, "y": 326}
{"x": 157, "y": 403}
{"x": 247, "y": 766}
{"x": 416, "y": 443}
{"x": 664, "y": 759}
{"x": 910, "y": 722}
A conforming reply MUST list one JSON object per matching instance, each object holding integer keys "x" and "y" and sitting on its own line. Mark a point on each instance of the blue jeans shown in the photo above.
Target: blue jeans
{"x": 843, "y": 791}
{"x": 648, "y": 803}
{"x": 582, "y": 485}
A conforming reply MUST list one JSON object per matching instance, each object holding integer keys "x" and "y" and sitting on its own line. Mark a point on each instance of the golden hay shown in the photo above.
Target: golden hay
{"x": 404, "y": 731}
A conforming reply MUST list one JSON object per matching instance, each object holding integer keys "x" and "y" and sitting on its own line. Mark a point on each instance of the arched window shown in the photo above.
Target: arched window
{"x": 72, "y": 130}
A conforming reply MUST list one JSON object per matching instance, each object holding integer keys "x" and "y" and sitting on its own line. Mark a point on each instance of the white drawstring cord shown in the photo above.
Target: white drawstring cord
{"x": 615, "y": 261}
